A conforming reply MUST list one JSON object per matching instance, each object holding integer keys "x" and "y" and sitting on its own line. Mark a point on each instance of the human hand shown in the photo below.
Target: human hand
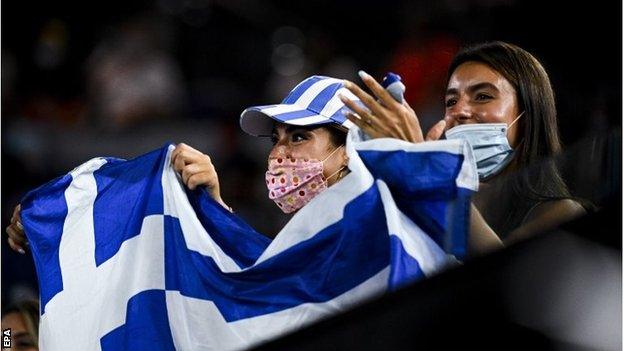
{"x": 17, "y": 237}
{"x": 385, "y": 117}
{"x": 197, "y": 169}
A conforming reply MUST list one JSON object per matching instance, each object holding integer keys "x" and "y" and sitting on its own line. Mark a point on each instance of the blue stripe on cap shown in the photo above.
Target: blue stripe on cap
{"x": 339, "y": 117}
{"x": 324, "y": 97}
{"x": 296, "y": 93}
{"x": 287, "y": 116}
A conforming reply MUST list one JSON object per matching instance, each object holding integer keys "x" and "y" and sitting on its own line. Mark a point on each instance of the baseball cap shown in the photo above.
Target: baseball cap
{"x": 312, "y": 102}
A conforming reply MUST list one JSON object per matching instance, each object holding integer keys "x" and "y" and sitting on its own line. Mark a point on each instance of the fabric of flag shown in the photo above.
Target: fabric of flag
{"x": 129, "y": 259}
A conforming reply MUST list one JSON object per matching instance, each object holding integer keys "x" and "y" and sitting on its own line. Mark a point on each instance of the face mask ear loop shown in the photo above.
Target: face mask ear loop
{"x": 333, "y": 152}
{"x": 333, "y": 174}
{"x": 512, "y": 123}
{"x": 328, "y": 156}
{"x": 515, "y": 120}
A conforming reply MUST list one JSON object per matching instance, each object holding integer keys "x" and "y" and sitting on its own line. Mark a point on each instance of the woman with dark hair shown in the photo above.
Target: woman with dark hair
{"x": 499, "y": 98}
{"x": 23, "y": 320}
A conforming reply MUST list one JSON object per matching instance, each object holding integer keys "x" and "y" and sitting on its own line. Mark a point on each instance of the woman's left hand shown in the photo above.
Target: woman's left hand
{"x": 386, "y": 117}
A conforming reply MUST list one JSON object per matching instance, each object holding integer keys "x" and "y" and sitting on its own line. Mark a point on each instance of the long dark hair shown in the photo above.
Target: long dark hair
{"x": 538, "y": 179}
{"x": 29, "y": 311}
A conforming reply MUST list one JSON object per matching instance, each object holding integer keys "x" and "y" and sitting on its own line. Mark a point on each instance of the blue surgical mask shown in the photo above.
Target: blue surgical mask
{"x": 489, "y": 144}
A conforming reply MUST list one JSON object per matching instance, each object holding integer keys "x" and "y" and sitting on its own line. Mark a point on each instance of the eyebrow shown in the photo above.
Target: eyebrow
{"x": 19, "y": 334}
{"x": 473, "y": 88}
{"x": 291, "y": 128}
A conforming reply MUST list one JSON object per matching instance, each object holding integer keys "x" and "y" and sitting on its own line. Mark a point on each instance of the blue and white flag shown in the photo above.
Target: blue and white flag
{"x": 129, "y": 259}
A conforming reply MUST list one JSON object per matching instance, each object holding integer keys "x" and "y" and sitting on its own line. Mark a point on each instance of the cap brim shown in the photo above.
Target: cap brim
{"x": 259, "y": 120}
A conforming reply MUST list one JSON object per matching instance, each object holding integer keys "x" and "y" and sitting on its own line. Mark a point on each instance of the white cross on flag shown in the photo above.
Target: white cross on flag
{"x": 128, "y": 259}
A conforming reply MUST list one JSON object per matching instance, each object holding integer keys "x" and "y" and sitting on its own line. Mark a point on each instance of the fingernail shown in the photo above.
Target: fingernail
{"x": 363, "y": 74}
{"x": 346, "y": 83}
{"x": 21, "y": 251}
{"x": 19, "y": 225}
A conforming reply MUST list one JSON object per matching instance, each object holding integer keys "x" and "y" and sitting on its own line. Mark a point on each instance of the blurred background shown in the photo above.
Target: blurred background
{"x": 88, "y": 79}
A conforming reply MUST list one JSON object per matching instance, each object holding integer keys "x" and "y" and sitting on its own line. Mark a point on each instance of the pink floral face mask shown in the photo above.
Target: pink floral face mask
{"x": 292, "y": 183}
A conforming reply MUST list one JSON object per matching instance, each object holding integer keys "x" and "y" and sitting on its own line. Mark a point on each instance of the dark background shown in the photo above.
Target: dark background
{"x": 88, "y": 79}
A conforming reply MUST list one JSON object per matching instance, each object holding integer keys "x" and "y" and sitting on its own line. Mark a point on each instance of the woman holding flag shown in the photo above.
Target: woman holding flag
{"x": 488, "y": 84}
{"x": 371, "y": 213}
{"x": 314, "y": 153}
{"x": 153, "y": 241}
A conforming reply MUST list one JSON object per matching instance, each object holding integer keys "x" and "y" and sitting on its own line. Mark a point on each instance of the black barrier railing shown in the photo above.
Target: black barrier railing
{"x": 557, "y": 291}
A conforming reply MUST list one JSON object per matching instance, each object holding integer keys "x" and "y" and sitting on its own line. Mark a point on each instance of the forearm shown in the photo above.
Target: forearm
{"x": 482, "y": 238}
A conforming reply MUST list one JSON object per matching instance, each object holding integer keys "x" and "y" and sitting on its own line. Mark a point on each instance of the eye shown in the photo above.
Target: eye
{"x": 298, "y": 137}
{"x": 482, "y": 97}
{"x": 450, "y": 102}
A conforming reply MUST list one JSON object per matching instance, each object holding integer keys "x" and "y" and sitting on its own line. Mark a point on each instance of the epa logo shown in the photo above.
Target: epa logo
{"x": 6, "y": 338}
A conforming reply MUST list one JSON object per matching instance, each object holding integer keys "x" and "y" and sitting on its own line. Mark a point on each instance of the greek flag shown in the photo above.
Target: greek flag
{"x": 129, "y": 259}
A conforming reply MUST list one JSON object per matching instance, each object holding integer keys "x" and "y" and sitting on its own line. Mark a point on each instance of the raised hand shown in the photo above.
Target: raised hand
{"x": 385, "y": 117}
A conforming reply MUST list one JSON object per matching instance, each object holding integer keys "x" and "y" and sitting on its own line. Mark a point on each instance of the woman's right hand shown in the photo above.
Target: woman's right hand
{"x": 385, "y": 117}
{"x": 17, "y": 236}
{"x": 197, "y": 169}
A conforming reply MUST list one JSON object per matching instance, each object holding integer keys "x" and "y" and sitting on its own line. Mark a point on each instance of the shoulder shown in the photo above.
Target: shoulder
{"x": 560, "y": 210}
{"x": 545, "y": 216}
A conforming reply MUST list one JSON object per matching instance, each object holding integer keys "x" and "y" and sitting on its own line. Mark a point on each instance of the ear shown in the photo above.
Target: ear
{"x": 345, "y": 158}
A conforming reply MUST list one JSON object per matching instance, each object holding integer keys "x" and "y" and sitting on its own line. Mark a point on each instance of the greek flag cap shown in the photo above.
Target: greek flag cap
{"x": 312, "y": 102}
